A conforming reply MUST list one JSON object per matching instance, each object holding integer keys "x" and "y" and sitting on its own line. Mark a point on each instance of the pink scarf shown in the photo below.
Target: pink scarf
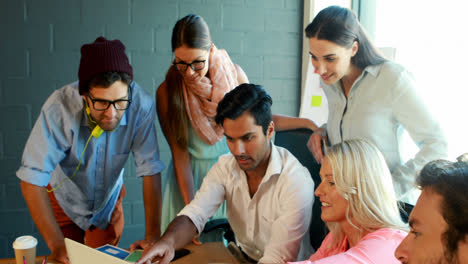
{"x": 202, "y": 97}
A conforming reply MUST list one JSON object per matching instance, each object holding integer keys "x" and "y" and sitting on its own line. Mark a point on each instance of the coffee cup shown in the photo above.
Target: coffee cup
{"x": 25, "y": 248}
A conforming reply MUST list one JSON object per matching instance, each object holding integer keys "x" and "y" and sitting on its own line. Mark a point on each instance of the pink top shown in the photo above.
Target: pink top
{"x": 377, "y": 247}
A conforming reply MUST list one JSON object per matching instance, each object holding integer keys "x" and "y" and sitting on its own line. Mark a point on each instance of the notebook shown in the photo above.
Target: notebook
{"x": 81, "y": 254}
{"x": 107, "y": 254}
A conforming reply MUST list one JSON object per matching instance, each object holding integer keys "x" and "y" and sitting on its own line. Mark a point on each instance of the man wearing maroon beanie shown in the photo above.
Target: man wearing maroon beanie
{"x": 72, "y": 166}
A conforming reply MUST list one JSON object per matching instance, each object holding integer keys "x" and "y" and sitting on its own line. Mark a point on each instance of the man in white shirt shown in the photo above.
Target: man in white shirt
{"x": 268, "y": 193}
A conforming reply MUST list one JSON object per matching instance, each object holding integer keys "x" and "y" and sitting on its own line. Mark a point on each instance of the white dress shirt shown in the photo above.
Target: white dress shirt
{"x": 269, "y": 227}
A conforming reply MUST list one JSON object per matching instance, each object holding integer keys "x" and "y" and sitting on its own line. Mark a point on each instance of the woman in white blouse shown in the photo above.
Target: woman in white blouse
{"x": 370, "y": 97}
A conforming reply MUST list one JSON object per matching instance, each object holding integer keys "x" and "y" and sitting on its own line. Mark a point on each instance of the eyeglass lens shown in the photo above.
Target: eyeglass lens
{"x": 196, "y": 65}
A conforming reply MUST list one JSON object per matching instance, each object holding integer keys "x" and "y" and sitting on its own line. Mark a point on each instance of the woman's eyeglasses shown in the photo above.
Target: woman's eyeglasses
{"x": 196, "y": 65}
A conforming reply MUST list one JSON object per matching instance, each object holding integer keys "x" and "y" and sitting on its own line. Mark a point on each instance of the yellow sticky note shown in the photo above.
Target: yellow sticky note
{"x": 316, "y": 100}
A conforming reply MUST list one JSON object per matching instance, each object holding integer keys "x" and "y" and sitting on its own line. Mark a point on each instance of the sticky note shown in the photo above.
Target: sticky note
{"x": 316, "y": 100}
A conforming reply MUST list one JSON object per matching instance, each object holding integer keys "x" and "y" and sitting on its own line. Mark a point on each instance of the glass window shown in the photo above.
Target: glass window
{"x": 430, "y": 40}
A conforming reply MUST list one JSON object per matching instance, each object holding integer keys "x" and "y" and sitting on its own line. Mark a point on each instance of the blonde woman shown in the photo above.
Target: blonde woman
{"x": 358, "y": 206}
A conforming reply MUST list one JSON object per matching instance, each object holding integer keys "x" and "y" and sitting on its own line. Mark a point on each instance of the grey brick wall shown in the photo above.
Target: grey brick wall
{"x": 39, "y": 51}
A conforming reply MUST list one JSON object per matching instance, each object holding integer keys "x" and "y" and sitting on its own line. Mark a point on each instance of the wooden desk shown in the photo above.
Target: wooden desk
{"x": 13, "y": 261}
{"x": 213, "y": 252}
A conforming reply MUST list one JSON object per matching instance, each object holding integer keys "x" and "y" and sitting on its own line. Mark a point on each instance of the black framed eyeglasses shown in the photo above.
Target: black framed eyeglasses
{"x": 119, "y": 104}
{"x": 196, "y": 65}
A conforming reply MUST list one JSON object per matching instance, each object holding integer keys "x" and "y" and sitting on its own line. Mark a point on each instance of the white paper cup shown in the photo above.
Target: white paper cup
{"x": 25, "y": 246}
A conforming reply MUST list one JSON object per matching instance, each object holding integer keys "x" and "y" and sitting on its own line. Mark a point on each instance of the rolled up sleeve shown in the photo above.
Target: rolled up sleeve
{"x": 207, "y": 199}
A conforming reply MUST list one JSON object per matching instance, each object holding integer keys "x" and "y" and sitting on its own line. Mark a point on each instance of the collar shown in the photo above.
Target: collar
{"x": 373, "y": 70}
{"x": 275, "y": 164}
{"x": 275, "y": 167}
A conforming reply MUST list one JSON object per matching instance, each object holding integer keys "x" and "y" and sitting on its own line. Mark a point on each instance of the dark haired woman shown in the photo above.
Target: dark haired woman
{"x": 370, "y": 97}
{"x": 186, "y": 103}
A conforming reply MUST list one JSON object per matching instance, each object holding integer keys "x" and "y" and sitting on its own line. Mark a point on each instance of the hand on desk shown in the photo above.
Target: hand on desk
{"x": 59, "y": 255}
{"x": 196, "y": 241}
{"x": 161, "y": 250}
{"x": 143, "y": 244}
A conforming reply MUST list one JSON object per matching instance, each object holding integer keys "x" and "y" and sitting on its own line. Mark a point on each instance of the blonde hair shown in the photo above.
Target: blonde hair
{"x": 362, "y": 177}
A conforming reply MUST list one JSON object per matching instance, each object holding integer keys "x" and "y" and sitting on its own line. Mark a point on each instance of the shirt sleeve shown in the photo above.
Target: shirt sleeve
{"x": 208, "y": 198}
{"x": 289, "y": 228}
{"x": 45, "y": 147}
{"x": 410, "y": 110}
{"x": 145, "y": 146}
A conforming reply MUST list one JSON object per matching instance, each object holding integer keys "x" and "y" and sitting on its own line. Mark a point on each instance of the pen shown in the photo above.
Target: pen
{"x": 24, "y": 260}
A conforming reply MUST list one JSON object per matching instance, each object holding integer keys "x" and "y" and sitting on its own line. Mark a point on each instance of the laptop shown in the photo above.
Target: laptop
{"x": 81, "y": 254}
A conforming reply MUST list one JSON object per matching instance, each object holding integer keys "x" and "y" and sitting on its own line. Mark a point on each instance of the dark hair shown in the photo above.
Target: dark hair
{"x": 341, "y": 26}
{"x": 246, "y": 97}
{"x": 106, "y": 79}
{"x": 450, "y": 180}
{"x": 193, "y": 32}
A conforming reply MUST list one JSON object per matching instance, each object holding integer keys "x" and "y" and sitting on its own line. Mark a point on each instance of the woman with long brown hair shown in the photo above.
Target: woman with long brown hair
{"x": 370, "y": 97}
{"x": 186, "y": 103}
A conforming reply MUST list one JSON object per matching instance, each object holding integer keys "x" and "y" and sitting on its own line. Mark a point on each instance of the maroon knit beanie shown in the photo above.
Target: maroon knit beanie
{"x": 102, "y": 56}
